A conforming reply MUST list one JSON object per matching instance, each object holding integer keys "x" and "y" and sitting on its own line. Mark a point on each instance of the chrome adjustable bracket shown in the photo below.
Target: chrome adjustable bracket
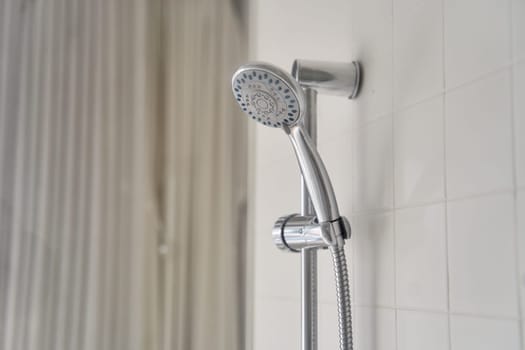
{"x": 328, "y": 78}
{"x": 295, "y": 232}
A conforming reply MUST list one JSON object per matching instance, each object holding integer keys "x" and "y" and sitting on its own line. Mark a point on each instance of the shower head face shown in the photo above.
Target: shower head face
{"x": 268, "y": 95}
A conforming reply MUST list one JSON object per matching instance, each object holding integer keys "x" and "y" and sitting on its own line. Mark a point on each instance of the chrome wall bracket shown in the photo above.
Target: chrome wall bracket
{"x": 295, "y": 232}
{"x": 329, "y": 78}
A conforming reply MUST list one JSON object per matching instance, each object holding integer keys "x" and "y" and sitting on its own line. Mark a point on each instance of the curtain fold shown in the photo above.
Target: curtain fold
{"x": 206, "y": 176}
{"x": 122, "y": 175}
{"x": 76, "y": 242}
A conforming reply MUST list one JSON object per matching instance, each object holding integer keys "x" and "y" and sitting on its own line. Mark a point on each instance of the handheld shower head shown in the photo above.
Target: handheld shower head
{"x": 274, "y": 98}
{"x": 268, "y": 94}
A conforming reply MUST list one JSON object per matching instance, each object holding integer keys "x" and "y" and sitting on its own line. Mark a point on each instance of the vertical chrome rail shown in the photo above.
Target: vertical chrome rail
{"x": 309, "y": 256}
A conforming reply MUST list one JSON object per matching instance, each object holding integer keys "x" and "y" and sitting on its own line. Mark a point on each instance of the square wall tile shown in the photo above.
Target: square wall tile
{"x": 519, "y": 121}
{"x": 373, "y": 167}
{"x": 277, "y": 324}
{"x": 422, "y": 330}
{"x": 375, "y": 329}
{"x": 478, "y": 137}
{"x": 482, "y": 265}
{"x": 418, "y": 54}
{"x": 373, "y": 257}
{"x": 371, "y": 37}
{"x": 419, "y": 154}
{"x": 477, "y": 38}
{"x": 518, "y": 28}
{"x": 421, "y": 258}
{"x": 470, "y": 333}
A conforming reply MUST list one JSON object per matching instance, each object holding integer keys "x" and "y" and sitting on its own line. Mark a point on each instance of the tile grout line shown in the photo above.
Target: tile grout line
{"x": 439, "y": 312}
{"x": 445, "y": 90}
{"x": 384, "y": 210}
{"x": 514, "y": 178}
{"x": 480, "y": 77}
{"x": 445, "y": 170}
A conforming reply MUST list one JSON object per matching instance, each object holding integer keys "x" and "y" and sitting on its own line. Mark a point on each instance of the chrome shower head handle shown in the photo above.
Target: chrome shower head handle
{"x": 315, "y": 175}
{"x": 272, "y": 97}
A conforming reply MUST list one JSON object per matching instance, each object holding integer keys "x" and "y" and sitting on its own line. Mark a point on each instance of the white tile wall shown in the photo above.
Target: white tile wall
{"x": 518, "y": 26}
{"x": 271, "y": 145}
{"x": 419, "y": 154}
{"x": 284, "y": 30}
{"x": 422, "y": 330}
{"x": 375, "y": 329}
{"x": 521, "y": 249}
{"x": 483, "y": 334}
{"x": 426, "y": 164}
{"x": 420, "y": 76}
{"x": 277, "y": 190}
{"x": 421, "y": 259}
{"x": 479, "y": 137}
{"x": 477, "y": 38}
{"x": 328, "y": 337}
{"x": 519, "y": 121}
{"x": 373, "y": 250}
{"x": 338, "y": 112}
{"x": 277, "y": 324}
{"x": 373, "y": 187}
{"x": 482, "y": 262}
{"x": 371, "y": 44}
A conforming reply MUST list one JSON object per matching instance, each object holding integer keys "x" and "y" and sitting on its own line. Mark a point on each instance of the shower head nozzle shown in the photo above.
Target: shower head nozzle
{"x": 268, "y": 95}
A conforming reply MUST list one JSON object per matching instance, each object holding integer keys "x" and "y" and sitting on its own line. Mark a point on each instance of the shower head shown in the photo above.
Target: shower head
{"x": 274, "y": 98}
{"x": 268, "y": 94}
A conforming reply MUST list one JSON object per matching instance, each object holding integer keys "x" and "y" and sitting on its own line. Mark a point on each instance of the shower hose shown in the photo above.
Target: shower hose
{"x": 344, "y": 308}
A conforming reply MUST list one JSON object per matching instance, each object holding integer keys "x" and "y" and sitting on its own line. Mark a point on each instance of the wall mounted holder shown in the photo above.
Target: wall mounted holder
{"x": 328, "y": 78}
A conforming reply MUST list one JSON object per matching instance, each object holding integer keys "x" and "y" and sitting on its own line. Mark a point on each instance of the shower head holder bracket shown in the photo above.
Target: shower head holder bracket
{"x": 329, "y": 78}
{"x": 295, "y": 232}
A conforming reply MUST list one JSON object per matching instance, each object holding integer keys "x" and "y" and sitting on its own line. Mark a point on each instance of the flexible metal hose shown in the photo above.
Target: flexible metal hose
{"x": 344, "y": 308}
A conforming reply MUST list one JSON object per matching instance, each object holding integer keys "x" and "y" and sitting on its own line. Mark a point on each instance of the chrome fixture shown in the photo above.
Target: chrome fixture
{"x": 276, "y": 99}
{"x": 330, "y": 78}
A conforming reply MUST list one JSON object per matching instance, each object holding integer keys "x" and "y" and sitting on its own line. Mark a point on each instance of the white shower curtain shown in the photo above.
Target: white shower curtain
{"x": 205, "y": 177}
{"x": 122, "y": 175}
